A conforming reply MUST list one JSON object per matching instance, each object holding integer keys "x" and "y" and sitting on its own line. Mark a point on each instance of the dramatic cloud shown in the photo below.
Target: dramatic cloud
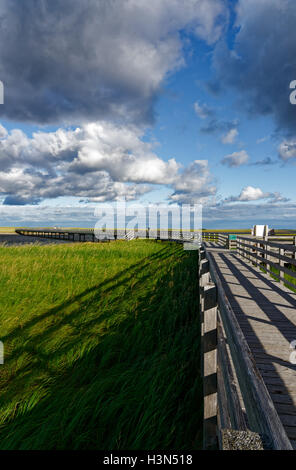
{"x": 100, "y": 161}
{"x": 249, "y": 193}
{"x": 235, "y": 159}
{"x": 73, "y": 61}
{"x": 261, "y": 63}
{"x": 194, "y": 185}
{"x": 230, "y": 137}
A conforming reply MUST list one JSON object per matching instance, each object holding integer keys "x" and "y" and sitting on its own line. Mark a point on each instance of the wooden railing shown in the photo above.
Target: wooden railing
{"x": 276, "y": 258}
{"x": 238, "y": 410}
{"x": 83, "y": 235}
{"x": 222, "y": 239}
{"x": 215, "y": 237}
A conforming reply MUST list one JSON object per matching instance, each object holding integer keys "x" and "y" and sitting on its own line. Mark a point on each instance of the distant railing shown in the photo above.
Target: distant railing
{"x": 221, "y": 239}
{"x": 276, "y": 258}
{"x": 89, "y": 235}
{"x": 238, "y": 410}
{"x": 215, "y": 237}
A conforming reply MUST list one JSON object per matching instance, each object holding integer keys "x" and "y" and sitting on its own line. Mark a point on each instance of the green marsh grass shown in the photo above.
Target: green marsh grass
{"x": 101, "y": 347}
{"x": 274, "y": 272}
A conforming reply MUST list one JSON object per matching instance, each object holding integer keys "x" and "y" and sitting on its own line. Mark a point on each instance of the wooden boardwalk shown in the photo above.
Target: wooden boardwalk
{"x": 266, "y": 312}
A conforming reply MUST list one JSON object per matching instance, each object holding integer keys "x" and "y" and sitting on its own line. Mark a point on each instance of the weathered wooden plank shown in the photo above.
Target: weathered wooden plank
{"x": 291, "y": 432}
{"x": 224, "y": 420}
{"x": 293, "y": 442}
{"x": 286, "y": 409}
{"x": 261, "y": 413}
{"x": 208, "y": 353}
{"x": 234, "y": 410}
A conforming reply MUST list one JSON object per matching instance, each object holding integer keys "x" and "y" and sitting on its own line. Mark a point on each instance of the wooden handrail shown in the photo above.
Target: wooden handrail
{"x": 236, "y": 370}
{"x": 262, "y": 254}
{"x": 288, "y": 247}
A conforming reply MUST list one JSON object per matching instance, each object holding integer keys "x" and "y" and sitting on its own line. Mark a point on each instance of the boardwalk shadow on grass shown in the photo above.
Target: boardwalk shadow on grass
{"x": 61, "y": 319}
{"x": 83, "y": 388}
{"x": 86, "y": 298}
{"x": 125, "y": 273}
{"x": 96, "y": 319}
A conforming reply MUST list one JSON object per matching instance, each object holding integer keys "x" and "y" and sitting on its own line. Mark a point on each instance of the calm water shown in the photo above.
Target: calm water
{"x": 14, "y": 239}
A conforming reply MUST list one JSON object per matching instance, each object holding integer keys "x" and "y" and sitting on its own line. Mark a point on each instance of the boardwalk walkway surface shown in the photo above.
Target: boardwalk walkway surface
{"x": 266, "y": 312}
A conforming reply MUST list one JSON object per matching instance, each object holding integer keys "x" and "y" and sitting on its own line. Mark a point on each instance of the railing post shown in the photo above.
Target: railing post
{"x": 210, "y": 367}
{"x": 257, "y": 263}
{"x": 239, "y": 247}
{"x": 250, "y": 250}
{"x": 204, "y": 276}
{"x": 281, "y": 264}
{"x": 208, "y": 311}
{"x": 266, "y": 256}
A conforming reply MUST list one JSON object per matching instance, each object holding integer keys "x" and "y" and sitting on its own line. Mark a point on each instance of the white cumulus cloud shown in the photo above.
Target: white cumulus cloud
{"x": 250, "y": 193}
{"x": 100, "y": 161}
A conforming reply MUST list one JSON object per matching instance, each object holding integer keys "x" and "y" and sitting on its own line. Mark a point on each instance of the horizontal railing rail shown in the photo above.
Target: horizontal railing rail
{"x": 82, "y": 235}
{"x": 276, "y": 259}
{"x": 215, "y": 237}
{"x": 221, "y": 239}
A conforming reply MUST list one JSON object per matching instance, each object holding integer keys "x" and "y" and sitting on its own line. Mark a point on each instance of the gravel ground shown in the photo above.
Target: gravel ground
{"x": 15, "y": 239}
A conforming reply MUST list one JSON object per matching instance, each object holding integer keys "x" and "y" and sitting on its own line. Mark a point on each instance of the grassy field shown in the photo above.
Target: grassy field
{"x": 101, "y": 347}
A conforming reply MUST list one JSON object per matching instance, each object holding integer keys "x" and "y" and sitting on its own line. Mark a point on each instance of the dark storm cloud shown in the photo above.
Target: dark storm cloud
{"x": 72, "y": 60}
{"x": 54, "y": 63}
{"x": 262, "y": 62}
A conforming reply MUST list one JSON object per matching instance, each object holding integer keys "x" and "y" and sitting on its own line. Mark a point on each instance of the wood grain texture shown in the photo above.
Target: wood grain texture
{"x": 265, "y": 312}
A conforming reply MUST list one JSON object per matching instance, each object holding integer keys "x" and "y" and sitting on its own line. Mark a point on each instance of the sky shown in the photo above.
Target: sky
{"x": 164, "y": 102}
